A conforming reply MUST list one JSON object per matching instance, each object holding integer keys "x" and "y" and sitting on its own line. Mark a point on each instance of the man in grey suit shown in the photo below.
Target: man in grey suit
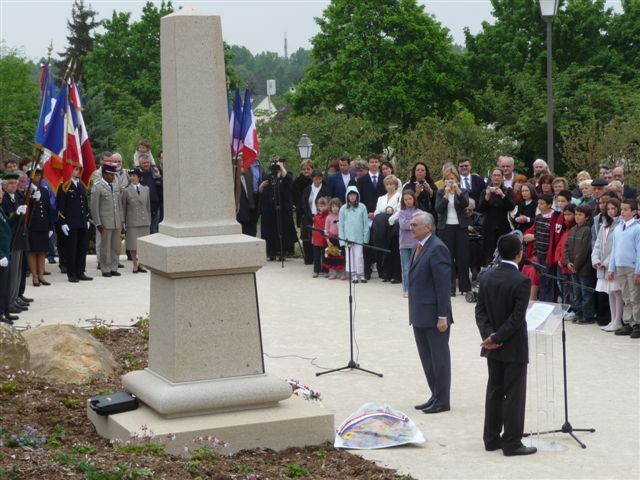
{"x": 107, "y": 215}
{"x": 430, "y": 310}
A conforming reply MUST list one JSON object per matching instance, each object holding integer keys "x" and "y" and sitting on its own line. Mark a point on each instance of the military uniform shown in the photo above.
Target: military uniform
{"x": 5, "y": 253}
{"x": 106, "y": 211}
{"x": 73, "y": 211}
{"x": 10, "y": 204}
{"x": 136, "y": 208}
{"x": 40, "y": 221}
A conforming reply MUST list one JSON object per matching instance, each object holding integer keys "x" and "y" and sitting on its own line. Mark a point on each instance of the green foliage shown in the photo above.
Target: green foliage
{"x": 142, "y": 327}
{"x": 204, "y": 453}
{"x": 94, "y": 472}
{"x": 295, "y": 470}
{"x": 57, "y": 439}
{"x": 153, "y": 448}
{"x": 83, "y": 449}
{"x": 384, "y": 60}
{"x": 321, "y": 453}
{"x": 435, "y": 141}
{"x": 333, "y": 135}
{"x": 80, "y": 38}
{"x": 71, "y": 403}
{"x": 193, "y": 467}
{"x": 242, "y": 468}
{"x": 100, "y": 331}
{"x": 20, "y": 94}
{"x": 130, "y": 360}
{"x": 254, "y": 71}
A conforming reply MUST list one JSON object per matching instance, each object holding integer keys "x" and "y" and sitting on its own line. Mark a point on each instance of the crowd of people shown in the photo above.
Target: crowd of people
{"x": 582, "y": 238}
{"x": 36, "y": 222}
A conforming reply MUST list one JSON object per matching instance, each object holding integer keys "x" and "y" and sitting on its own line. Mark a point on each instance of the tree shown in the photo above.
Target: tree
{"x": 20, "y": 93}
{"x": 80, "y": 41}
{"x": 384, "y": 60}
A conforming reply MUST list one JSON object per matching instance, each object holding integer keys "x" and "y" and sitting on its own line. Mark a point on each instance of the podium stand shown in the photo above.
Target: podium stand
{"x": 543, "y": 320}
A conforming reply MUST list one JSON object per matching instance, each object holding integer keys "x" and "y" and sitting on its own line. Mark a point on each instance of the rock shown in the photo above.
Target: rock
{"x": 14, "y": 351}
{"x": 68, "y": 354}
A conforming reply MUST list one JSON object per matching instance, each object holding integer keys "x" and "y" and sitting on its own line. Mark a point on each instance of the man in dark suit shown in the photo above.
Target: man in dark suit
{"x": 338, "y": 182}
{"x": 501, "y": 318}
{"x": 371, "y": 186}
{"x": 627, "y": 190}
{"x": 73, "y": 216}
{"x": 430, "y": 310}
{"x": 472, "y": 183}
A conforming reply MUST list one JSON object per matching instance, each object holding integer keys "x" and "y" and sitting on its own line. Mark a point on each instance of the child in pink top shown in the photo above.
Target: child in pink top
{"x": 334, "y": 263}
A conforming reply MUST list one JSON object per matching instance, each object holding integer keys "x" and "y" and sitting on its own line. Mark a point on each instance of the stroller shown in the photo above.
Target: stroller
{"x": 472, "y": 296}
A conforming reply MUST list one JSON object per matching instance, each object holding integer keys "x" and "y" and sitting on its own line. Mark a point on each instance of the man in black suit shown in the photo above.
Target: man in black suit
{"x": 627, "y": 190}
{"x": 73, "y": 216}
{"x": 371, "y": 186}
{"x": 338, "y": 182}
{"x": 472, "y": 183}
{"x": 501, "y": 318}
{"x": 430, "y": 310}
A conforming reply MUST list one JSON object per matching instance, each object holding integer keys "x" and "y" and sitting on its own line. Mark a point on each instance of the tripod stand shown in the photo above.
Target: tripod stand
{"x": 566, "y": 426}
{"x": 351, "y": 364}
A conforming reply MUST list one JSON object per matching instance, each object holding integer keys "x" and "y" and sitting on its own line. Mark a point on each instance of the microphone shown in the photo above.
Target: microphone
{"x": 538, "y": 266}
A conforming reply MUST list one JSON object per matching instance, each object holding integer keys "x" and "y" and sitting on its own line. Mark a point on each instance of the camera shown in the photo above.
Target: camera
{"x": 274, "y": 166}
{"x": 492, "y": 189}
{"x": 448, "y": 183}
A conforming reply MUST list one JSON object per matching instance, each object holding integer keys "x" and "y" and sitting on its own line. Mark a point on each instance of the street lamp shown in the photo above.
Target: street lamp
{"x": 305, "y": 146}
{"x": 549, "y": 9}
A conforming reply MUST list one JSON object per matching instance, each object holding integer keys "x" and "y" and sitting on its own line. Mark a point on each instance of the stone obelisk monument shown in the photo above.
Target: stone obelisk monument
{"x": 206, "y": 372}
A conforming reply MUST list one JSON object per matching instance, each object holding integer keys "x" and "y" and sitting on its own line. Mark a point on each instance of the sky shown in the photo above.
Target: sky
{"x": 258, "y": 25}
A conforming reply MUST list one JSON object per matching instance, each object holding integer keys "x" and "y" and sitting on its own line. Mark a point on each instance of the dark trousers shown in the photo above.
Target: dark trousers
{"x": 76, "y": 245}
{"x": 318, "y": 254}
{"x": 4, "y": 289}
{"x": 433, "y": 349}
{"x": 457, "y": 241}
{"x": 505, "y": 404}
{"x": 60, "y": 241}
{"x": 369, "y": 256}
{"x": 547, "y": 291}
{"x": 603, "y": 313}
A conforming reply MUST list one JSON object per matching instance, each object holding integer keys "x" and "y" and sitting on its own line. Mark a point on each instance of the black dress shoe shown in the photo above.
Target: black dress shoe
{"x": 435, "y": 409}
{"x": 394, "y": 281}
{"x": 3, "y": 319}
{"x": 115, "y": 274}
{"x": 106, "y": 274}
{"x": 424, "y": 405}
{"x": 52, "y": 261}
{"x": 25, "y": 299}
{"x": 63, "y": 269}
{"x": 8, "y": 316}
{"x": 73, "y": 280}
{"x": 142, "y": 270}
{"x": 47, "y": 273}
{"x": 364, "y": 280}
{"x": 492, "y": 447}
{"x": 523, "y": 450}
{"x": 44, "y": 282}
{"x": 15, "y": 309}
{"x": 120, "y": 265}
{"x": 20, "y": 303}
{"x": 85, "y": 278}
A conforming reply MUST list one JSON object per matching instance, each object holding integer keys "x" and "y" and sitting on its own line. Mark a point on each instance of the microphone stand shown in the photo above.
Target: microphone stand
{"x": 566, "y": 426}
{"x": 351, "y": 364}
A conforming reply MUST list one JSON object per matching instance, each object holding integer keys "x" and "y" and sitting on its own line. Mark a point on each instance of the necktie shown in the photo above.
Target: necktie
{"x": 624, "y": 227}
{"x": 418, "y": 249}
{"x": 111, "y": 187}
{"x": 138, "y": 189}
{"x": 466, "y": 184}
{"x": 374, "y": 180}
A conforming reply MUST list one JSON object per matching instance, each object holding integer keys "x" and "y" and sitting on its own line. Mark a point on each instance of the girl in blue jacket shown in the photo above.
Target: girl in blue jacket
{"x": 354, "y": 227}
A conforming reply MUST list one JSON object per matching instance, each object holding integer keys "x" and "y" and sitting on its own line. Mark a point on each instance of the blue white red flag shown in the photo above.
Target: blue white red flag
{"x": 85, "y": 156}
{"x": 47, "y": 103}
{"x": 250, "y": 143}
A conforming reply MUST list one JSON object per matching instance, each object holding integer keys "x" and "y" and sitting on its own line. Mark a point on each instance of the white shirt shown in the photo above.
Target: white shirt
{"x": 346, "y": 178}
{"x": 463, "y": 181}
{"x": 452, "y": 215}
{"x": 312, "y": 198}
{"x": 511, "y": 263}
{"x": 384, "y": 201}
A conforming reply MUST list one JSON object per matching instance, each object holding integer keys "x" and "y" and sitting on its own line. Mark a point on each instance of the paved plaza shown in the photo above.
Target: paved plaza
{"x": 304, "y": 318}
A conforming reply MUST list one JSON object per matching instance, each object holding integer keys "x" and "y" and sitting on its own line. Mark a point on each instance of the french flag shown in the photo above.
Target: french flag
{"x": 85, "y": 156}
{"x": 251, "y": 145}
{"x": 47, "y": 104}
{"x": 54, "y": 142}
{"x": 235, "y": 125}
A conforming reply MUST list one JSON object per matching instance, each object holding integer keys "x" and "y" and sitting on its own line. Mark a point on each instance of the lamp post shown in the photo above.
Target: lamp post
{"x": 305, "y": 146}
{"x": 549, "y": 9}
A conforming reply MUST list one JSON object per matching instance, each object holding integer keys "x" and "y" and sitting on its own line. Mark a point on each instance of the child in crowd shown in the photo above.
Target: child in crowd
{"x": 562, "y": 272}
{"x": 354, "y": 227}
{"x": 317, "y": 238}
{"x": 407, "y": 242}
{"x": 624, "y": 266}
{"x": 144, "y": 146}
{"x": 600, "y": 258}
{"x": 334, "y": 262}
{"x": 577, "y": 256}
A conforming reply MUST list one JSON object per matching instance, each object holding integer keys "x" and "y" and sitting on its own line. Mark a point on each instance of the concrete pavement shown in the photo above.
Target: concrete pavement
{"x": 305, "y": 324}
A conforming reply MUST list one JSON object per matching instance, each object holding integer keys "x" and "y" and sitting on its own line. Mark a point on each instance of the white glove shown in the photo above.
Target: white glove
{"x": 4, "y": 262}
{"x": 88, "y": 225}
{"x": 65, "y": 229}
{"x": 21, "y": 210}
{"x": 36, "y": 195}
{"x": 50, "y": 233}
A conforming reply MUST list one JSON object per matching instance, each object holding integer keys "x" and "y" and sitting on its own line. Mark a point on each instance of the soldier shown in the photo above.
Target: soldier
{"x": 136, "y": 208}
{"x": 40, "y": 226}
{"x": 5, "y": 254}
{"x": 73, "y": 215}
{"x": 13, "y": 206}
{"x": 107, "y": 215}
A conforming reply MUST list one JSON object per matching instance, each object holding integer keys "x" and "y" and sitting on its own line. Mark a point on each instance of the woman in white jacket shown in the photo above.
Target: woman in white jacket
{"x": 388, "y": 205}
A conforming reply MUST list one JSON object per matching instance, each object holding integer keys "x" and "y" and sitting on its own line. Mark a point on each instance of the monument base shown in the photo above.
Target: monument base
{"x": 292, "y": 423}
